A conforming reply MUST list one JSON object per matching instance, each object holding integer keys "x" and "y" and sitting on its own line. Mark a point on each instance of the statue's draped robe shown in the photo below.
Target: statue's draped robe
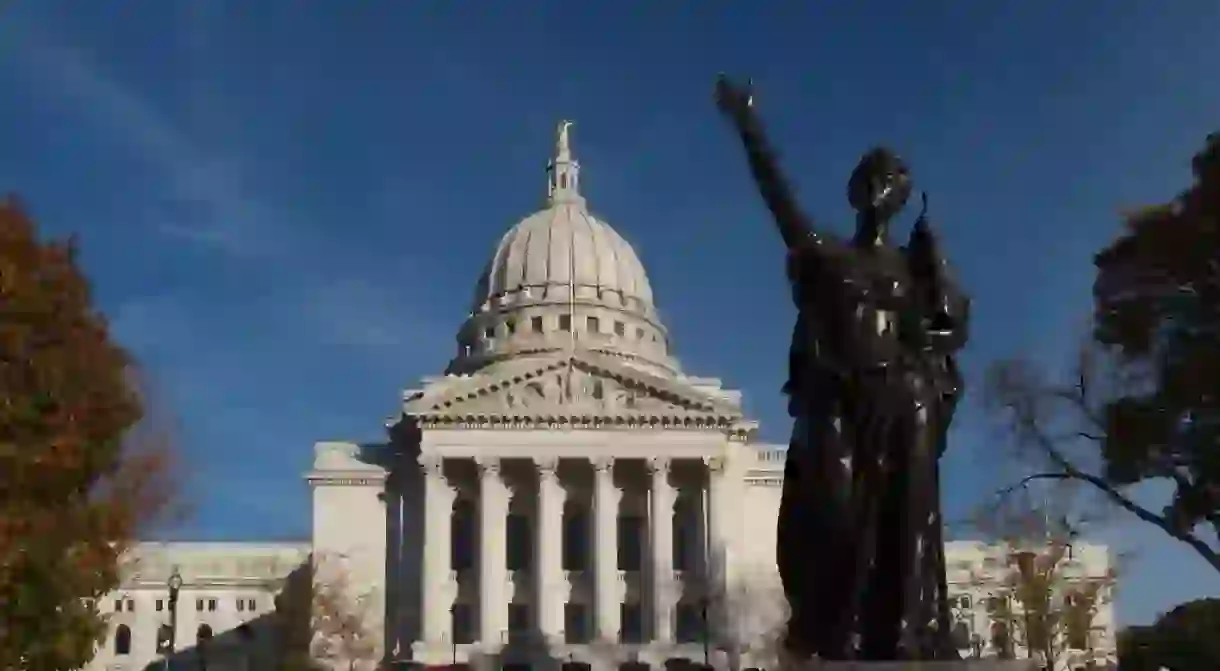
{"x": 871, "y": 389}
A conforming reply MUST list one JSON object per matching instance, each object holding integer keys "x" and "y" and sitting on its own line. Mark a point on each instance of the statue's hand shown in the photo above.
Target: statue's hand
{"x": 736, "y": 102}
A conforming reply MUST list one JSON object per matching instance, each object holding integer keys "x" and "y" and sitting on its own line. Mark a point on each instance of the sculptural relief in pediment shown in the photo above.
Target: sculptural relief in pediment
{"x": 571, "y": 390}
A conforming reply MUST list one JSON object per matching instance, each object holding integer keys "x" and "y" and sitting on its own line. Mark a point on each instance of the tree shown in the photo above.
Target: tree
{"x": 1184, "y": 639}
{"x": 1042, "y": 611}
{"x": 324, "y": 622}
{"x": 1041, "y": 604}
{"x": 754, "y": 615}
{"x": 1141, "y": 403}
{"x": 75, "y": 487}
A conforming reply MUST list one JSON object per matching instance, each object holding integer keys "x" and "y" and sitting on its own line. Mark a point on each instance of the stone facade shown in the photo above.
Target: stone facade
{"x": 563, "y": 493}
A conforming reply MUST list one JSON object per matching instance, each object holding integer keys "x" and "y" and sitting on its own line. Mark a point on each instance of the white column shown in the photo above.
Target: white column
{"x": 661, "y": 521}
{"x": 714, "y": 536}
{"x": 548, "y": 552}
{"x": 493, "y": 576}
{"x": 605, "y": 551}
{"x": 438, "y": 511}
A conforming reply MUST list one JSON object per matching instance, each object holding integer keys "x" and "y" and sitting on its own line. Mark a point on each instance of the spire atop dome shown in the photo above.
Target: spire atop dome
{"x": 563, "y": 171}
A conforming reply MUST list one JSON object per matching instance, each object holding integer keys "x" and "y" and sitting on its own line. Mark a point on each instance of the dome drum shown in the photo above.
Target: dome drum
{"x": 542, "y": 327}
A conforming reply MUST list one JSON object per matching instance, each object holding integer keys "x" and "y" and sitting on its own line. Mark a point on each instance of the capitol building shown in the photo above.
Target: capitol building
{"x": 563, "y": 493}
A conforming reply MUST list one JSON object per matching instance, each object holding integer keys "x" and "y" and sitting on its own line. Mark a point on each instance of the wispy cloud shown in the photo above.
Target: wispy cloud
{"x": 202, "y": 195}
{"x": 204, "y": 201}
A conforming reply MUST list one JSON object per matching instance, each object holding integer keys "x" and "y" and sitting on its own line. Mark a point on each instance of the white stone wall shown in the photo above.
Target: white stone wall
{"x": 223, "y": 573}
{"x": 374, "y": 532}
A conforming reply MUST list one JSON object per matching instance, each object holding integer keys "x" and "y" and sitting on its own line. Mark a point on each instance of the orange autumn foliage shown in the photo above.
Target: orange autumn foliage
{"x": 75, "y": 489}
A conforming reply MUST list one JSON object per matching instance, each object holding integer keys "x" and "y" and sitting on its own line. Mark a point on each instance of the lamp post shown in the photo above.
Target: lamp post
{"x": 174, "y": 583}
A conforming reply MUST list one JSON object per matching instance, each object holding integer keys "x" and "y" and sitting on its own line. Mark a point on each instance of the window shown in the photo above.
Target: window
{"x": 160, "y": 605}
{"x": 241, "y": 605}
{"x": 118, "y": 605}
{"x": 961, "y": 635}
{"x": 251, "y": 605}
{"x": 1001, "y": 641}
{"x": 593, "y": 325}
{"x": 685, "y": 525}
{"x": 632, "y": 623}
{"x": 164, "y": 634}
{"x": 463, "y": 625}
{"x": 461, "y": 541}
{"x": 212, "y": 604}
{"x": 122, "y": 640}
{"x": 199, "y": 605}
{"x": 619, "y": 328}
{"x": 131, "y": 605}
{"x": 689, "y": 622}
{"x": 203, "y": 633}
{"x": 630, "y": 543}
{"x": 489, "y": 332}
{"x": 575, "y": 623}
{"x": 518, "y": 621}
{"x": 575, "y": 538}
{"x": 536, "y": 324}
{"x": 1077, "y": 636}
{"x": 565, "y": 322}
{"x": 519, "y": 546}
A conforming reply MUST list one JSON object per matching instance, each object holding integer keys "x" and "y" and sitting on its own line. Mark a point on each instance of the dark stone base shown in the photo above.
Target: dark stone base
{"x": 964, "y": 665}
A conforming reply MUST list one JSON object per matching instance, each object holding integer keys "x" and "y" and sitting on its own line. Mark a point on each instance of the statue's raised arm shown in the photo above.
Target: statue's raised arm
{"x": 737, "y": 103}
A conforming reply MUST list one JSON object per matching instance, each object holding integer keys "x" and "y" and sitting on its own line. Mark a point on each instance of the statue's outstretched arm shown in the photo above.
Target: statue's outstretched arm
{"x": 737, "y": 104}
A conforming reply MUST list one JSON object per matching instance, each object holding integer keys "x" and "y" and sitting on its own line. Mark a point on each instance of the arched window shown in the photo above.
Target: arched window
{"x": 164, "y": 634}
{"x": 961, "y": 635}
{"x": 122, "y": 640}
{"x": 1001, "y": 641}
{"x": 203, "y": 633}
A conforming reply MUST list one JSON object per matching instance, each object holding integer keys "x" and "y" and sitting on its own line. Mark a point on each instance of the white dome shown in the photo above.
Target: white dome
{"x": 559, "y": 249}
{"x": 563, "y": 278}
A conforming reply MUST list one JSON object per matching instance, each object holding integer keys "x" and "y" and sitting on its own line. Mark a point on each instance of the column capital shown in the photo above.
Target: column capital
{"x": 547, "y": 467}
{"x": 602, "y": 464}
{"x": 433, "y": 464}
{"x": 658, "y": 465}
{"x": 489, "y": 467}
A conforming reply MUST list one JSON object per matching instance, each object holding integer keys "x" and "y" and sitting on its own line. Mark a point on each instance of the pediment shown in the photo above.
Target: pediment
{"x": 586, "y": 389}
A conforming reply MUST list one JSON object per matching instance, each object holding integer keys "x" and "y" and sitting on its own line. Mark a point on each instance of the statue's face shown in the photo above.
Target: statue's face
{"x": 880, "y": 182}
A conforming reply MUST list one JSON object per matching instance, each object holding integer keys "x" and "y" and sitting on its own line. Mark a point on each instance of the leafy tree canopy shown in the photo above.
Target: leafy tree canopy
{"x": 71, "y": 494}
{"x": 1143, "y": 402}
{"x": 1157, "y": 306}
{"x": 1184, "y": 639}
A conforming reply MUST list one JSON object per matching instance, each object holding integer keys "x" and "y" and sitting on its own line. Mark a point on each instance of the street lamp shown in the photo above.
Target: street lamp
{"x": 174, "y": 583}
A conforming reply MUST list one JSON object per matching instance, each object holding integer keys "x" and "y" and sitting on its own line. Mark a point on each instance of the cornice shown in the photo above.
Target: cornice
{"x": 318, "y": 478}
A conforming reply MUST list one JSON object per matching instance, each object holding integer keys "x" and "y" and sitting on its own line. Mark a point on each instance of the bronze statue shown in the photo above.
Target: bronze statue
{"x": 873, "y": 383}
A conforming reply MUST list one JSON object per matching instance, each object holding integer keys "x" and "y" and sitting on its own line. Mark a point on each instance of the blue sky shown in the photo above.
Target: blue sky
{"x": 285, "y": 204}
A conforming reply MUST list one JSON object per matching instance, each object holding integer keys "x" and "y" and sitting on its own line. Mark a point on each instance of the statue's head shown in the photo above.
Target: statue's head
{"x": 880, "y": 184}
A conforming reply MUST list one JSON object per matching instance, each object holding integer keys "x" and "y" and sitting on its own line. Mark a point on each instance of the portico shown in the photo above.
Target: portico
{"x": 622, "y": 509}
{"x": 559, "y": 493}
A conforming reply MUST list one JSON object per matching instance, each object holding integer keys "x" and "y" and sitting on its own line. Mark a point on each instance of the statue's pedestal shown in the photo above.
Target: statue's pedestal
{"x": 964, "y": 665}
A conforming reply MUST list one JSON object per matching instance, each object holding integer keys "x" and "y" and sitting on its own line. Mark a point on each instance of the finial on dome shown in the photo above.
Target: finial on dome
{"x": 563, "y": 146}
{"x": 563, "y": 172}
